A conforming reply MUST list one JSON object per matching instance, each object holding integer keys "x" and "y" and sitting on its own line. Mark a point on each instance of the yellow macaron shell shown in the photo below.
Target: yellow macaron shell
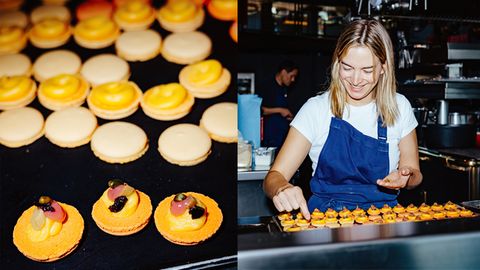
{"x": 178, "y": 11}
{"x": 205, "y": 72}
{"x": 96, "y": 28}
{"x": 127, "y": 210}
{"x": 113, "y": 95}
{"x": 50, "y": 28}
{"x": 134, "y": 11}
{"x": 14, "y": 88}
{"x": 165, "y": 96}
{"x": 184, "y": 222}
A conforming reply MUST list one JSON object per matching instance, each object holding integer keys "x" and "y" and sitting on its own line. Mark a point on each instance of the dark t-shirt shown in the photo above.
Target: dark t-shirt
{"x": 275, "y": 127}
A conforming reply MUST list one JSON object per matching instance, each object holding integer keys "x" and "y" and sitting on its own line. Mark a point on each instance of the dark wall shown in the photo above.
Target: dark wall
{"x": 312, "y": 72}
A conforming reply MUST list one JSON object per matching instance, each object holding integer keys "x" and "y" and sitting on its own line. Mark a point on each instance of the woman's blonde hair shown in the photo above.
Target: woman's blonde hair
{"x": 372, "y": 34}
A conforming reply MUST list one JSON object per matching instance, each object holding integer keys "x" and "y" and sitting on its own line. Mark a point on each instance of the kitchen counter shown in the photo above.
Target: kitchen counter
{"x": 432, "y": 244}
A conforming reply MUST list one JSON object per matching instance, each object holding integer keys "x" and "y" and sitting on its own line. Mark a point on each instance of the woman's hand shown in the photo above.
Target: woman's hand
{"x": 291, "y": 198}
{"x": 396, "y": 179}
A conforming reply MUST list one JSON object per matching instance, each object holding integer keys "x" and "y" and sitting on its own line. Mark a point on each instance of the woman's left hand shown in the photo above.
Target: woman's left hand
{"x": 396, "y": 179}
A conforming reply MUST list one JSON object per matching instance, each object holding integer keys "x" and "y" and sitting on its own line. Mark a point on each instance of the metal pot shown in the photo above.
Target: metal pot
{"x": 450, "y": 136}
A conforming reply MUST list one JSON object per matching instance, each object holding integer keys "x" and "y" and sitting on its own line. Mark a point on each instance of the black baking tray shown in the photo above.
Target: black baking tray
{"x": 77, "y": 177}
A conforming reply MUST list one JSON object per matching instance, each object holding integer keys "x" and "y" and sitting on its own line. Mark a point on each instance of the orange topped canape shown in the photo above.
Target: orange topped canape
{"x": 373, "y": 210}
{"x": 386, "y": 208}
{"x": 284, "y": 216}
{"x": 426, "y": 216}
{"x": 389, "y": 214}
{"x": 346, "y": 220}
{"x": 344, "y": 213}
{"x": 318, "y": 222}
{"x": 391, "y": 218}
{"x": 361, "y": 218}
{"x": 424, "y": 208}
{"x": 411, "y": 217}
{"x": 374, "y": 217}
{"x": 466, "y": 213}
{"x": 398, "y": 209}
{"x": 331, "y": 213}
{"x": 439, "y": 215}
{"x": 317, "y": 214}
{"x": 301, "y": 222}
{"x": 287, "y": 223}
{"x": 358, "y": 211}
{"x": 293, "y": 229}
{"x": 450, "y": 206}
{"x": 437, "y": 207}
{"x": 453, "y": 214}
{"x": 412, "y": 208}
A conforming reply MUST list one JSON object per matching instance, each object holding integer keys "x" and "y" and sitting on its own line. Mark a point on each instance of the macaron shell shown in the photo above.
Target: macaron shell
{"x": 55, "y": 247}
{"x": 186, "y": 26}
{"x": 208, "y": 91}
{"x": 139, "y": 45}
{"x": 19, "y": 127}
{"x": 71, "y": 127}
{"x": 184, "y": 144}
{"x": 186, "y": 48}
{"x": 15, "y": 64}
{"x": 50, "y": 11}
{"x": 13, "y": 18}
{"x": 105, "y": 68}
{"x": 220, "y": 121}
{"x": 56, "y": 62}
{"x": 119, "y": 142}
{"x": 123, "y": 225}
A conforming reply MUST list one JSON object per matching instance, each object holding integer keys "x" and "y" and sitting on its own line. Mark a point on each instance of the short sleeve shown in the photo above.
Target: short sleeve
{"x": 407, "y": 118}
{"x": 307, "y": 119}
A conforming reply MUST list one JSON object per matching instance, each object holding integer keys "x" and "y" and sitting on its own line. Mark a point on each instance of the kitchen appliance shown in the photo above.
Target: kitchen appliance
{"x": 450, "y": 136}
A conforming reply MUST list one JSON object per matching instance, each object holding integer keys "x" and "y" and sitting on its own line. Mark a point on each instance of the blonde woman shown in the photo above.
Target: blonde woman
{"x": 360, "y": 134}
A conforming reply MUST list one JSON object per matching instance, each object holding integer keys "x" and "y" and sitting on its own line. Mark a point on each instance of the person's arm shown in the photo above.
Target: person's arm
{"x": 408, "y": 174}
{"x": 284, "y": 112}
{"x": 285, "y": 196}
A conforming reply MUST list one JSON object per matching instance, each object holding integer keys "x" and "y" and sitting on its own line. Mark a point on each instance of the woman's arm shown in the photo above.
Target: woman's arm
{"x": 285, "y": 196}
{"x": 408, "y": 174}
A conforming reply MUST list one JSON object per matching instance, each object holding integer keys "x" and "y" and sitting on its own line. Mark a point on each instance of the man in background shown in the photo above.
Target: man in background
{"x": 276, "y": 114}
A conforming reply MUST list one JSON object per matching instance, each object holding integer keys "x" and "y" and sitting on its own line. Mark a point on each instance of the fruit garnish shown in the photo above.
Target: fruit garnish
{"x": 44, "y": 200}
{"x": 118, "y": 190}
{"x": 56, "y": 213}
{"x": 114, "y": 183}
{"x": 38, "y": 219}
{"x": 181, "y": 203}
{"x": 196, "y": 212}
{"x": 118, "y": 205}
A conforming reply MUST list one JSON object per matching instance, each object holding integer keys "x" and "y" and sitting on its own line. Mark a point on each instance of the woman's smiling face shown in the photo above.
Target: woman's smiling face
{"x": 359, "y": 71}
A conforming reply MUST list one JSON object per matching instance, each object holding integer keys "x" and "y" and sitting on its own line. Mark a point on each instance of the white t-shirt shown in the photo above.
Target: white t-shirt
{"x": 313, "y": 121}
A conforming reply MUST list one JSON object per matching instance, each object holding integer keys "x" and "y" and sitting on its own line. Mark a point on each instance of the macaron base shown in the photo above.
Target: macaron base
{"x": 210, "y": 91}
{"x": 44, "y": 43}
{"x": 169, "y": 114}
{"x": 20, "y": 102}
{"x": 131, "y": 224}
{"x": 57, "y": 246}
{"x": 211, "y": 226}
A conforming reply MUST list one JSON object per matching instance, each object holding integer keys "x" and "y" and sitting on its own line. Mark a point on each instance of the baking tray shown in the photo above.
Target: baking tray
{"x": 77, "y": 177}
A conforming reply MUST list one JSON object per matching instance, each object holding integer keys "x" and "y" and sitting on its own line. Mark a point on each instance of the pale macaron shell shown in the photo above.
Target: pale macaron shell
{"x": 70, "y": 127}
{"x": 186, "y": 26}
{"x": 220, "y": 121}
{"x": 184, "y": 144}
{"x": 139, "y": 45}
{"x": 50, "y": 11}
{"x": 56, "y": 62}
{"x": 19, "y": 127}
{"x": 186, "y": 48}
{"x": 13, "y": 18}
{"x": 119, "y": 142}
{"x": 15, "y": 65}
{"x": 105, "y": 68}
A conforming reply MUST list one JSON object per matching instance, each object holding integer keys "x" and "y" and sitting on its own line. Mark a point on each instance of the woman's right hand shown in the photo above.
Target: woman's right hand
{"x": 291, "y": 198}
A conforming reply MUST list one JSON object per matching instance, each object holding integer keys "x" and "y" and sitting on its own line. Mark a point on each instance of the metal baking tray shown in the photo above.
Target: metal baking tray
{"x": 77, "y": 177}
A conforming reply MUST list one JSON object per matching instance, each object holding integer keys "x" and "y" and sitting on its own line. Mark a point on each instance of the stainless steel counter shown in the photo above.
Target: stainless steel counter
{"x": 446, "y": 244}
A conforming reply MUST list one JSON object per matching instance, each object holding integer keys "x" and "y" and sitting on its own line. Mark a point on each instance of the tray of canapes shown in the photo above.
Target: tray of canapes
{"x": 293, "y": 222}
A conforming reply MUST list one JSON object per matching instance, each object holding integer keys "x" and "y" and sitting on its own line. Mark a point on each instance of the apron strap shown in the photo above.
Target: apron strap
{"x": 381, "y": 130}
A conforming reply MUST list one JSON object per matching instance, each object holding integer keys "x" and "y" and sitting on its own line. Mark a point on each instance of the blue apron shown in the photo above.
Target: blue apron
{"x": 348, "y": 168}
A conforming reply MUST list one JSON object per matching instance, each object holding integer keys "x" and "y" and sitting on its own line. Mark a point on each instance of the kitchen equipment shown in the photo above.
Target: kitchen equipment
{"x": 264, "y": 156}
{"x": 450, "y": 136}
{"x": 456, "y": 118}
{"x": 244, "y": 150}
{"x": 454, "y": 70}
{"x": 442, "y": 112}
